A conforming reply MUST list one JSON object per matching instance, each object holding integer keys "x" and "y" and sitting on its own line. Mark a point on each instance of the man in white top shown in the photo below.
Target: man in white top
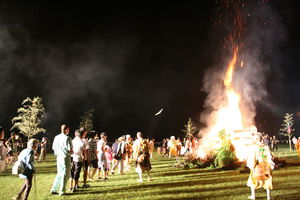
{"x": 62, "y": 147}
{"x": 102, "y": 160}
{"x": 78, "y": 156}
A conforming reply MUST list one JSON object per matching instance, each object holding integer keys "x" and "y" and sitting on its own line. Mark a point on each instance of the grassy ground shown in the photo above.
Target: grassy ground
{"x": 168, "y": 183}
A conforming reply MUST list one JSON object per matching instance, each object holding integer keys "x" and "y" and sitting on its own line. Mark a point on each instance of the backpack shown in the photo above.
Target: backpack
{"x": 18, "y": 168}
{"x": 119, "y": 154}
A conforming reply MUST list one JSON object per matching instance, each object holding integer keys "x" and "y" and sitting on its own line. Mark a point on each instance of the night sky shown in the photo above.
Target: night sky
{"x": 128, "y": 60}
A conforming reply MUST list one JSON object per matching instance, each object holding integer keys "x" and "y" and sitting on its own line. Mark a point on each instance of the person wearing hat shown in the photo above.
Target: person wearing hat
{"x": 260, "y": 163}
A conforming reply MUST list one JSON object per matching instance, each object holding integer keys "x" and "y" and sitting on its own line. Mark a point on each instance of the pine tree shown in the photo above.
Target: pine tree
{"x": 189, "y": 129}
{"x": 87, "y": 120}
{"x": 287, "y": 127}
{"x": 29, "y": 117}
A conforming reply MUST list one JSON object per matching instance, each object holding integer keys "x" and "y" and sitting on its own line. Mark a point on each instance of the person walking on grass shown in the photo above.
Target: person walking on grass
{"x": 62, "y": 147}
{"x": 27, "y": 158}
{"x": 78, "y": 157}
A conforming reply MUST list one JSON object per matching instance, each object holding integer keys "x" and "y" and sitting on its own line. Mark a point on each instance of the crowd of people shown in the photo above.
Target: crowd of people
{"x": 175, "y": 147}
{"x": 11, "y": 148}
{"x": 90, "y": 153}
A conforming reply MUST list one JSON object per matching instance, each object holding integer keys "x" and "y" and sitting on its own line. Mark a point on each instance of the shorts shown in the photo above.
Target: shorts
{"x": 94, "y": 163}
{"x": 75, "y": 170}
{"x": 102, "y": 162}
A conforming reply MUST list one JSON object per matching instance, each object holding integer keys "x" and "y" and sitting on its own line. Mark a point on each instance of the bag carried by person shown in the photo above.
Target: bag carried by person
{"x": 119, "y": 155}
{"x": 262, "y": 172}
{"x": 18, "y": 168}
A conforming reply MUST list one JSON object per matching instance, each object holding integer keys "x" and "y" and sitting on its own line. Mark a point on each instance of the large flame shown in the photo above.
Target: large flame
{"x": 230, "y": 118}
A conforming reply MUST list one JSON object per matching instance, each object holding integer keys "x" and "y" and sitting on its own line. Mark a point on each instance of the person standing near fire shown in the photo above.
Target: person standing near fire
{"x": 172, "y": 146}
{"x": 260, "y": 163}
{"x": 294, "y": 141}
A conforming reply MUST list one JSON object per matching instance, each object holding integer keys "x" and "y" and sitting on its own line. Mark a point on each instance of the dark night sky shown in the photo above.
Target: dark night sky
{"x": 128, "y": 60}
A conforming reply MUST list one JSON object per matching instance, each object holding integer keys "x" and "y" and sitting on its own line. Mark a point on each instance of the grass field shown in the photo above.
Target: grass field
{"x": 167, "y": 183}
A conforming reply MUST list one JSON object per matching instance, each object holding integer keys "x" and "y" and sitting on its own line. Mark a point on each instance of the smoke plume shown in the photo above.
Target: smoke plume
{"x": 257, "y": 56}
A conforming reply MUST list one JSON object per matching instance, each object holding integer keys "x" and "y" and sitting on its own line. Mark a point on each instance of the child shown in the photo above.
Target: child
{"x": 109, "y": 157}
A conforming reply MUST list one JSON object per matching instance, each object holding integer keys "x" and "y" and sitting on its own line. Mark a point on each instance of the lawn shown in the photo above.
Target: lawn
{"x": 167, "y": 183}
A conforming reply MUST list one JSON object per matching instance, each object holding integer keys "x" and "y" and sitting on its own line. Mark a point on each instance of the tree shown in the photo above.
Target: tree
{"x": 189, "y": 129}
{"x": 87, "y": 120}
{"x": 29, "y": 117}
{"x": 287, "y": 127}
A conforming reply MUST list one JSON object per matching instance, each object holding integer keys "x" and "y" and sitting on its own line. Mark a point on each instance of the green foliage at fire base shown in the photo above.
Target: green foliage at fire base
{"x": 225, "y": 156}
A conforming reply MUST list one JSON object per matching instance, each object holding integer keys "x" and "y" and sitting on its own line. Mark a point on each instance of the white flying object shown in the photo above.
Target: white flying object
{"x": 159, "y": 112}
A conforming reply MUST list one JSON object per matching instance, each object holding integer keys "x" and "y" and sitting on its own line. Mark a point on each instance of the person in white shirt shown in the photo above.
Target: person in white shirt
{"x": 62, "y": 147}
{"x": 102, "y": 160}
{"x": 78, "y": 157}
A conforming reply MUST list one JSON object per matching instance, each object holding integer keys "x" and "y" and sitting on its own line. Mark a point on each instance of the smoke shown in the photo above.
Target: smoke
{"x": 258, "y": 54}
{"x": 64, "y": 74}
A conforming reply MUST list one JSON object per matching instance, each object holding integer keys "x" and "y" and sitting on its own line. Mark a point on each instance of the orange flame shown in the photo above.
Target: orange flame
{"x": 230, "y": 118}
{"x": 229, "y": 73}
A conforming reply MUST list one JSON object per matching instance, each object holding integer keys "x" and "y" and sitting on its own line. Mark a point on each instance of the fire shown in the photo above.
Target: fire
{"x": 230, "y": 118}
